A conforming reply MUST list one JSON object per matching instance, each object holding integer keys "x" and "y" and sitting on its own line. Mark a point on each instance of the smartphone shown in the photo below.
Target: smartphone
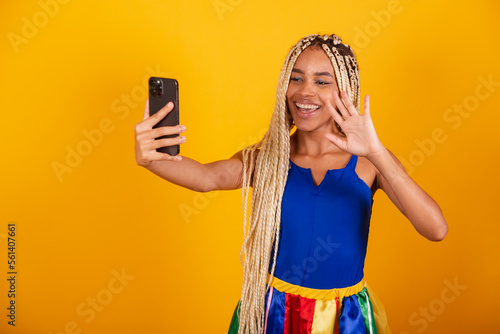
{"x": 161, "y": 92}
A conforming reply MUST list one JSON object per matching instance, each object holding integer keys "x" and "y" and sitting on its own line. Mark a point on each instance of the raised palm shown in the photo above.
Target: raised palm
{"x": 360, "y": 137}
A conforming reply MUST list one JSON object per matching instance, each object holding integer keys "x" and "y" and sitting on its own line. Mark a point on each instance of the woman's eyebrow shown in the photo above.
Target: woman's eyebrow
{"x": 323, "y": 73}
{"x": 328, "y": 74}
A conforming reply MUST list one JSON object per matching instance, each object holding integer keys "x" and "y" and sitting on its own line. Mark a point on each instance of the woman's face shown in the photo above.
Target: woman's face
{"x": 312, "y": 83}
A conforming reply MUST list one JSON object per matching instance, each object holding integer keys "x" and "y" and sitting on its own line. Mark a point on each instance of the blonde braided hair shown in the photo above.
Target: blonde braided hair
{"x": 265, "y": 169}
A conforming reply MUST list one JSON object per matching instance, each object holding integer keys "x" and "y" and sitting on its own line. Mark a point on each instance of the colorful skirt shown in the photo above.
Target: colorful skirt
{"x": 292, "y": 309}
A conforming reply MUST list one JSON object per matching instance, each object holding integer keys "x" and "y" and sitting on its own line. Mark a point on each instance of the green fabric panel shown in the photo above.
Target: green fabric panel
{"x": 235, "y": 321}
{"x": 367, "y": 311}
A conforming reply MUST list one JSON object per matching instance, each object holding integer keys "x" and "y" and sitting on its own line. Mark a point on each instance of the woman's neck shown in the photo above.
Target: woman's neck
{"x": 312, "y": 143}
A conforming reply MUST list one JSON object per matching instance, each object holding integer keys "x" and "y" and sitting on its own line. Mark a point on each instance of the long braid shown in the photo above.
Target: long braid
{"x": 265, "y": 169}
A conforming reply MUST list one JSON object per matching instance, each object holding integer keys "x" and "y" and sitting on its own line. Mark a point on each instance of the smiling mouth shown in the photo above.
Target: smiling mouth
{"x": 306, "y": 108}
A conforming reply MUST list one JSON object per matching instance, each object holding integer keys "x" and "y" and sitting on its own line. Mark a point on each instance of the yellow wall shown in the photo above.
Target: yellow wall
{"x": 103, "y": 246}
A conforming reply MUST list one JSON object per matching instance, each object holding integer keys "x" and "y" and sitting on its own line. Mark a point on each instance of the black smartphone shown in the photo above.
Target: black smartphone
{"x": 161, "y": 92}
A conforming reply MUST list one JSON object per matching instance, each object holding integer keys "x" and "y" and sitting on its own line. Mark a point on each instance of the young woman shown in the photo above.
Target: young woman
{"x": 313, "y": 177}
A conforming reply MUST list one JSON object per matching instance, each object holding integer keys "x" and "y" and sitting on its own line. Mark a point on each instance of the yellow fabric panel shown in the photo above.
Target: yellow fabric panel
{"x": 379, "y": 313}
{"x": 325, "y": 315}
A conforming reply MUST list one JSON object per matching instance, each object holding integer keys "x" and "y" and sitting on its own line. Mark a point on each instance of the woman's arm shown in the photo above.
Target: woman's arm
{"x": 185, "y": 172}
{"x": 191, "y": 174}
{"x": 422, "y": 211}
{"x": 361, "y": 139}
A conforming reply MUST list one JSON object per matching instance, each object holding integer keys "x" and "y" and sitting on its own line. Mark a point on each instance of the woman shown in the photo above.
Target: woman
{"x": 307, "y": 232}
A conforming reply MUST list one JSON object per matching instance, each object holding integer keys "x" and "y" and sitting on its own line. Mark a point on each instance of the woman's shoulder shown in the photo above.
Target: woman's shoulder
{"x": 367, "y": 172}
{"x": 241, "y": 158}
{"x": 239, "y": 155}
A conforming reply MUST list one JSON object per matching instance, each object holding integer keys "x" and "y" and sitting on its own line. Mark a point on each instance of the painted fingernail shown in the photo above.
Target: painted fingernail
{"x": 182, "y": 139}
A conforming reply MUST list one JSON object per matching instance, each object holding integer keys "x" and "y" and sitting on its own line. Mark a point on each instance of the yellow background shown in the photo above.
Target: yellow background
{"x": 83, "y": 66}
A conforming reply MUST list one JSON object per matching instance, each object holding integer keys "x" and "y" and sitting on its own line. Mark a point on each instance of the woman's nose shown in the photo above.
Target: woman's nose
{"x": 307, "y": 88}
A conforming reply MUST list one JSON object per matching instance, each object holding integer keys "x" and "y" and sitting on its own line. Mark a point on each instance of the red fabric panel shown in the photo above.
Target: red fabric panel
{"x": 337, "y": 303}
{"x": 299, "y": 313}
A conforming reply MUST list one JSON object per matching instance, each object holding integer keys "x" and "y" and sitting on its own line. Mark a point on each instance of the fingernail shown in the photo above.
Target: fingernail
{"x": 182, "y": 139}
{"x": 182, "y": 128}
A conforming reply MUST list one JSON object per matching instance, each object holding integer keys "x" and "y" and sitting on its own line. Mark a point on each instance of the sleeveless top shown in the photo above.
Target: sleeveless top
{"x": 324, "y": 228}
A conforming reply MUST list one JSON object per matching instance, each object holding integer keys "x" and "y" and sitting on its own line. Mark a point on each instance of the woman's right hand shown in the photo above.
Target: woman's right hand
{"x": 145, "y": 143}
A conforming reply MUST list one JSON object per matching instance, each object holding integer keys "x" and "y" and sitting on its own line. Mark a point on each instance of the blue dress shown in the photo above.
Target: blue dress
{"x": 318, "y": 285}
{"x": 324, "y": 228}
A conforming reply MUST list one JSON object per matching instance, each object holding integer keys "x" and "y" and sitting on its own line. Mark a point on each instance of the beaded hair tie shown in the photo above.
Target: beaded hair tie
{"x": 336, "y": 39}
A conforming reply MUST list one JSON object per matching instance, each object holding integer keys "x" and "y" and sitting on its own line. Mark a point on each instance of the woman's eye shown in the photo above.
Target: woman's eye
{"x": 322, "y": 82}
{"x": 296, "y": 79}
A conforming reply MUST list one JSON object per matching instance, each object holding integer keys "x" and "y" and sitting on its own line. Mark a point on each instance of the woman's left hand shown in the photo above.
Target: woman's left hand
{"x": 360, "y": 137}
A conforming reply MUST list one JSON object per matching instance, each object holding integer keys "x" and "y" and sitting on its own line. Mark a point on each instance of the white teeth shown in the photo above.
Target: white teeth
{"x": 307, "y": 106}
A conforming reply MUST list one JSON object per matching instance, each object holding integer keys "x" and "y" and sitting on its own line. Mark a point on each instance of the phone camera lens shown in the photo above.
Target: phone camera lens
{"x": 155, "y": 87}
